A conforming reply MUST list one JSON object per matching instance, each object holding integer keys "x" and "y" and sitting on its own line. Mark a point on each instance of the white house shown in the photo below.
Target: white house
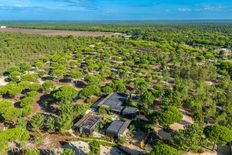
{"x": 2, "y": 27}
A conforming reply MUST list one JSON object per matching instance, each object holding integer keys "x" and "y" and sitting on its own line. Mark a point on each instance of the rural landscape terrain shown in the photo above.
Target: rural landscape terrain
{"x": 108, "y": 88}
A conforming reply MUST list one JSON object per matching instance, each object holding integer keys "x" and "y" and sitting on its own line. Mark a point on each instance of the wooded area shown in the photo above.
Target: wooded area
{"x": 168, "y": 72}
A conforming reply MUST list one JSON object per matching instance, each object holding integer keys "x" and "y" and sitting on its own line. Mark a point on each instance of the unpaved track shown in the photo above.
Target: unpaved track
{"x": 57, "y": 32}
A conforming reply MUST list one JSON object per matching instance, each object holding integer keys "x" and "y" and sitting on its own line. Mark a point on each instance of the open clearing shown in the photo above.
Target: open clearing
{"x": 58, "y": 32}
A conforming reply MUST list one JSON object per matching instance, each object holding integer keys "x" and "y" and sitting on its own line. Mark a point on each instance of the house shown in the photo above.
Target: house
{"x": 117, "y": 128}
{"x": 2, "y": 27}
{"x": 87, "y": 124}
{"x": 115, "y": 102}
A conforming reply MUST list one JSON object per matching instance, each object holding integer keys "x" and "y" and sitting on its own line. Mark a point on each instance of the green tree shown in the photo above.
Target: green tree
{"x": 50, "y": 125}
{"x": 107, "y": 89}
{"x": 11, "y": 89}
{"x": 25, "y": 67}
{"x": 68, "y": 151}
{"x": 164, "y": 149}
{"x": 218, "y": 134}
{"x": 104, "y": 109}
{"x": 12, "y": 69}
{"x": 65, "y": 94}
{"x": 91, "y": 79}
{"x": 65, "y": 122}
{"x": 8, "y": 112}
{"x": 168, "y": 116}
{"x": 94, "y": 147}
{"x": 26, "y": 101}
{"x": 17, "y": 134}
{"x": 15, "y": 76}
{"x": 34, "y": 86}
{"x": 89, "y": 91}
{"x": 140, "y": 85}
{"x": 79, "y": 110}
{"x": 48, "y": 86}
{"x": 57, "y": 73}
{"x": 32, "y": 152}
{"x": 75, "y": 74}
{"x": 29, "y": 77}
{"x": 21, "y": 122}
{"x": 37, "y": 122}
{"x": 118, "y": 85}
{"x": 191, "y": 138}
{"x": 31, "y": 94}
{"x": 147, "y": 98}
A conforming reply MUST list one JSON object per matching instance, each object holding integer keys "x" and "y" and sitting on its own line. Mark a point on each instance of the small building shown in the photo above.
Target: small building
{"x": 3, "y": 27}
{"x": 117, "y": 128}
{"x": 87, "y": 124}
{"x": 130, "y": 112}
{"x": 116, "y": 103}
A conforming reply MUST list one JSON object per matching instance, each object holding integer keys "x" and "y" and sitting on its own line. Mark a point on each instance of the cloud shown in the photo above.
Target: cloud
{"x": 70, "y": 5}
{"x": 212, "y": 7}
{"x": 184, "y": 9}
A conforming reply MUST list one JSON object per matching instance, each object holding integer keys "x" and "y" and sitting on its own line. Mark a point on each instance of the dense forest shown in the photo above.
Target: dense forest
{"x": 168, "y": 71}
{"x": 212, "y": 33}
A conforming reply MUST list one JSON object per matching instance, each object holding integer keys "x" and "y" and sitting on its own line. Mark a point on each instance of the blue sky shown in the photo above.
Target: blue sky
{"x": 115, "y": 9}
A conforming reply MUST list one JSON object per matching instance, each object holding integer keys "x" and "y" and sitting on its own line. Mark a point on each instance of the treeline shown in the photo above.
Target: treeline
{"x": 200, "y": 34}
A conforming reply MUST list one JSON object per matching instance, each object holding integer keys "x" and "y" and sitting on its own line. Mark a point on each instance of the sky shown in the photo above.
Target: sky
{"x": 115, "y": 9}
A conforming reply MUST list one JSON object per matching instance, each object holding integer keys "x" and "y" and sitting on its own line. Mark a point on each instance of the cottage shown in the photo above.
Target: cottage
{"x": 87, "y": 124}
{"x": 117, "y": 128}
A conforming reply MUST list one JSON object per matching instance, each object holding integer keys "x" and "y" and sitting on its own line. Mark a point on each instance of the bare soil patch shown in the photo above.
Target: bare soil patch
{"x": 2, "y": 81}
{"x": 57, "y": 32}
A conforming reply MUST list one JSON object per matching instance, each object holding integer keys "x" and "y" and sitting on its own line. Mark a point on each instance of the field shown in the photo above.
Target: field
{"x": 57, "y": 32}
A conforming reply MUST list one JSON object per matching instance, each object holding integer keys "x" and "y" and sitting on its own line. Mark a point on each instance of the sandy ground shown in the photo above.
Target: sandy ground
{"x": 161, "y": 133}
{"x": 187, "y": 120}
{"x": 2, "y": 81}
{"x": 57, "y": 32}
{"x": 205, "y": 153}
{"x": 220, "y": 151}
{"x": 209, "y": 83}
{"x": 81, "y": 148}
{"x": 176, "y": 126}
{"x": 110, "y": 151}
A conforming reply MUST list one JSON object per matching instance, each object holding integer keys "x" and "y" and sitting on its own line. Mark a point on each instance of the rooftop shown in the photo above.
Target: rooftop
{"x": 112, "y": 100}
{"x": 118, "y": 127}
{"x": 129, "y": 110}
{"x": 116, "y": 99}
{"x": 87, "y": 121}
{"x": 115, "y": 126}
